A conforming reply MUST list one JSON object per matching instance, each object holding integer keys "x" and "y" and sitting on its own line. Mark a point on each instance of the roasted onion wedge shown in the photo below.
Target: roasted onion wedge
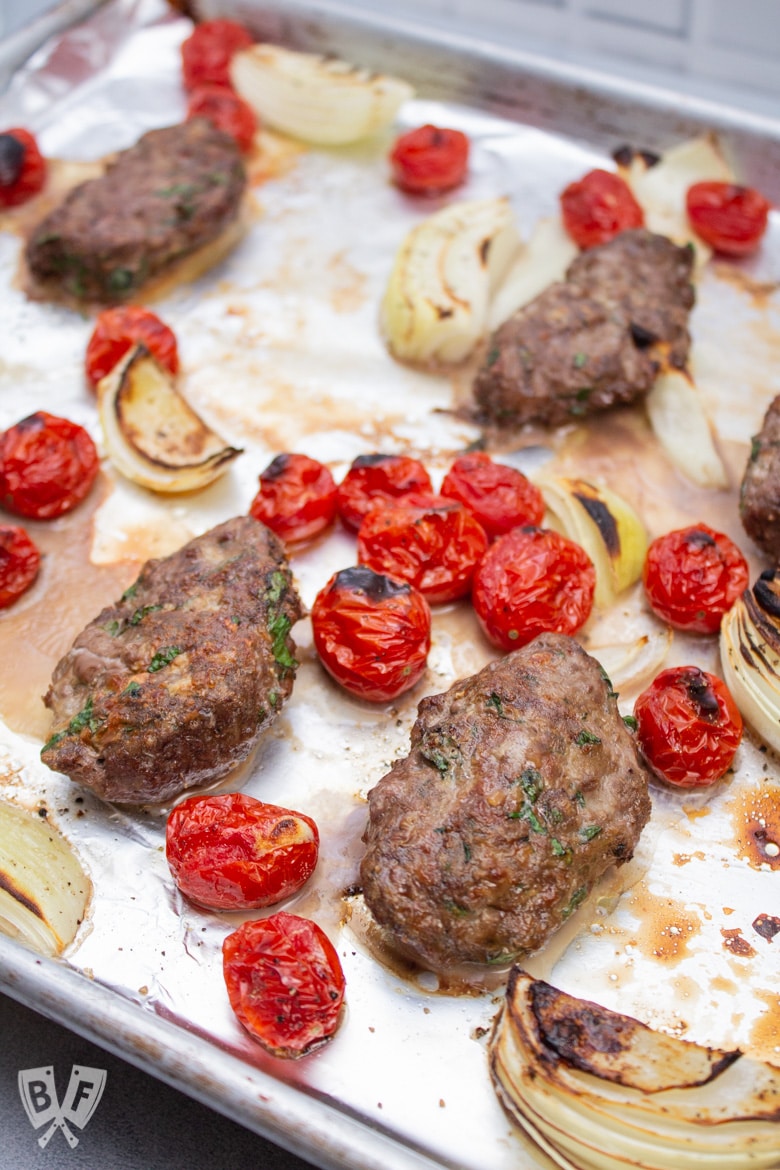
{"x": 318, "y": 99}
{"x": 750, "y": 655}
{"x": 597, "y": 1090}
{"x": 446, "y": 270}
{"x": 152, "y": 434}
{"x": 44, "y": 892}
{"x": 604, "y": 524}
{"x": 680, "y": 423}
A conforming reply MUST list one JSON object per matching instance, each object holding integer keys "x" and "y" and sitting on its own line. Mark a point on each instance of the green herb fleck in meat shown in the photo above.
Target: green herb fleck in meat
{"x": 531, "y": 783}
{"x": 132, "y": 689}
{"x": 586, "y": 738}
{"x": 141, "y": 613}
{"x": 163, "y": 658}
{"x": 630, "y": 722}
{"x": 85, "y": 718}
{"x": 576, "y": 899}
{"x": 588, "y": 832}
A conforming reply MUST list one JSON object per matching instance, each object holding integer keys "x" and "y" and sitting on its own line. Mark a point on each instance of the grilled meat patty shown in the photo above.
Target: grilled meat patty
{"x": 522, "y": 786}
{"x": 173, "y": 685}
{"x": 759, "y": 500}
{"x": 176, "y": 190}
{"x": 595, "y": 340}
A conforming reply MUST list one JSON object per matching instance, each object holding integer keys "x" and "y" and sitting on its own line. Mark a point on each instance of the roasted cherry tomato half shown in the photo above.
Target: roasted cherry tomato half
{"x": 226, "y": 110}
{"x": 430, "y": 159}
{"x": 19, "y": 563}
{"x": 117, "y": 330}
{"x": 47, "y": 466}
{"x": 688, "y": 726}
{"x": 377, "y": 479}
{"x": 22, "y": 167}
{"x": 284, "y": 982}
{"x": 207, "y": 52}
{"x": 498, "y": 496}
{"x": 692, "y": 576}
{"x": 532, "y": 580}
{"x": 372, "y": 634}
{"x": 434, "y": 544}
{"x": 730, "y": 218}
{"x": 297, "y": 497}
{"x": 232, "y": 852}
{"x": 598, "y": 207}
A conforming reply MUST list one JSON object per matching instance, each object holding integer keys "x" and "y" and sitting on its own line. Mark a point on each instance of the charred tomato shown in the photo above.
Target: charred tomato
{"x": 692, "y": 576}
{"x": 498, "y": 496}
{"x": 19, "y": 563}
{"x": 429, "y": 160}
{"x": 375, "y": 479}
{"x": 206, "y": 54}
{"x": 531, "y": 581}
{"x": 688, "y": 726}
{"x": 223, "y": 107}
{"x": 598, "y": 207}
{"x": 296, "y": 498}
{"x": 730, "y": 218}
{"x": 233, "y": 852}
{"x": 47, "y": 466}
{"x": 434, "y": 544}
{"x": 372, "y": 633}
{"x": 284, "y": 982}
{"x": 117, "y": 330}
{"x": 22, "y": 167}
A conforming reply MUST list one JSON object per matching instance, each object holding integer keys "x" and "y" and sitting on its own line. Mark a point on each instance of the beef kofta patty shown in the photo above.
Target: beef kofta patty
{"x": 177, "y": 190}
{"x": 522, "y": 787}
{"x": 174, "y": 684}
{"x": 595, "y": 340}
{"x": 759, "y": 500}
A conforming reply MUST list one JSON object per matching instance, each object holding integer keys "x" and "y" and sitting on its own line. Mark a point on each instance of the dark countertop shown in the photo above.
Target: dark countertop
{"x": 139, "y": 1124}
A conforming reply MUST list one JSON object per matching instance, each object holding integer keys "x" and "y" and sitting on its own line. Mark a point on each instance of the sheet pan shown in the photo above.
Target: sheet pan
{"x": 281, "y": 350}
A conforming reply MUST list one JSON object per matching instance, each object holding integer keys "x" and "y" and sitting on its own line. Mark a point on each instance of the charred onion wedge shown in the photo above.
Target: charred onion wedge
{"x": 604, "y": 524}
{"x": 750, "y": 655}
{"x": 152, "y": 434}
{"x": 44, "y": 892}
{"x": 597, "y": 1090}
{"x": 320, "y": 100}
{"x": 436, "y": 304}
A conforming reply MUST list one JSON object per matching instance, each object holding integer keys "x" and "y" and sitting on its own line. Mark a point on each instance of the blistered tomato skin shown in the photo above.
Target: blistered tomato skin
{"x": 598, "y": 207}
{"x": 498, "y": 496}
{"x": 372, "y": 634}
{"x": 233, "y": 852}
{"x": 226, "y": 111}
{"x": 296, "y": 498}
{"x": 531, "y": 581}
{"x": 374, "y": 479}
{"x": 47, "y": 466}
{"x": 206, "y": 54}
{"x": 688, "y": 726}
{"x": 429, "y": 160}
{"x": 692, "y": 576}
{"x": 434, "y": 544}
{"x": 730, "y": 218}
{"x": 22, "y": 167}
{"x": 19, "y": 563}
{"x": 117, "y": 330}
{"x": 284, "y": 982}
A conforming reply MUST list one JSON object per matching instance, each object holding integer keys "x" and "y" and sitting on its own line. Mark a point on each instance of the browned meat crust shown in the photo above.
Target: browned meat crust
{"x": 759, "y": 501}
{"x": 522, "y": 786}
{"x": 173, "y": 685}
{"x": 593, "y": 341}
{"x": 175, "y": 191}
